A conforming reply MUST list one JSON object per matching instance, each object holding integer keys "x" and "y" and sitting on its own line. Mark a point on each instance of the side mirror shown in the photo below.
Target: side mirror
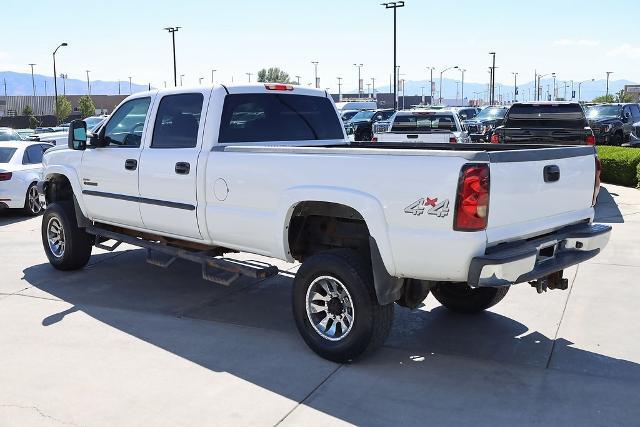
{"x": 77, "y": 135}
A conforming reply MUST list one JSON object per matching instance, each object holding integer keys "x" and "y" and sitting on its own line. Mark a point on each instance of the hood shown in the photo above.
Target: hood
{"x": 483, "y": 122}
{"x": 603, "y": 120}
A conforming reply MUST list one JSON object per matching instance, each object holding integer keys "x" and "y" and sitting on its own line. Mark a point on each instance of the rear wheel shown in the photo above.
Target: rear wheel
{"x": 461, "y": 298}
{"x": 32, "y": 204}
{"x": 335, "y": 306}
{"x": 67, "y": 246}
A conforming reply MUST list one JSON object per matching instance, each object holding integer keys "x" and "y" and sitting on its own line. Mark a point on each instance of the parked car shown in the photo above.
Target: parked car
{"x": 60, "y": 137}
{"x": 360, "y": 127}
{"x": 424, "y": 126}
{"x": 346, "y": 115}
{"x": 356, "y": 105}
{"x": 8, "y": 134}
{"x": 466, "y": 113}
{"x": 25, "y": 133}
{"x": 481, "y": 127}
{"x": 20, "y": 168}
{"x": 613, "y": 123}
{"x": 548, "y": 122}
{"x": 267, "y": 169}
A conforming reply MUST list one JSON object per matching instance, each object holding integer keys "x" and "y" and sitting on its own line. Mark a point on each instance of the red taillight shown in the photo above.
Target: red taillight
{"x": 5, "y": 176}
{"x": 596, "y": 183}
{"x": 277, "y": 86}
{"x": 590, "y": 140}
{"x": 472, "y": 201}
{"x": 374, "y": 139}
{"x": 453, "y": 140}
{"x": 495, "y": 139}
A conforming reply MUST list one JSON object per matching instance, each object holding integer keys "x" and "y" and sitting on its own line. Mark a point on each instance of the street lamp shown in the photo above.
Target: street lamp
{"x": 580, "y": 87}
{"x": 181, "y": 76}
{"x": 431, "y": 81}
{"x": 607, "y": 94}
{"x": 55, "y": 77}
{"x": 462, "y": 85}
{"x": 441, "y": 73}
{"x": 173, "y": 31}
{"x": 373, "y": 87}
{"x": 515, "y": 86}
{"x": 200, "y": 79}
{"x": 393, "y": 5}
{"x": 359, "y": 66}
{"x": 339, "y": 87}
{"x": 492, "y": 93}
{"x": 249, "y": 75}
{"x": 33, "y": 81}
{"x": 315, "y": 73}
{"x": 88, "y": 83}
{"x": 130, "y": 91}
{"x": 212, "y": 71}
{"x": 298, "y": 80}
{"x": 555, "y": 89}
{"x": 538, "y": 87}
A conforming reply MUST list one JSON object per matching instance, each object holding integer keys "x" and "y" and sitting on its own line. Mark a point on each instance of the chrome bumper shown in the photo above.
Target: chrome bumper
{"x": 528, "y": 260}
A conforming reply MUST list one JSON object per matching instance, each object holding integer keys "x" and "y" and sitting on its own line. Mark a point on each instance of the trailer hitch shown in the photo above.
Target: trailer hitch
{"x": 551, "y": 281}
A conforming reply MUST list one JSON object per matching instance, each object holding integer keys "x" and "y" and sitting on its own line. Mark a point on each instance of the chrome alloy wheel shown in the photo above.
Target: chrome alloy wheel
{"x": 33, "y": 200}
{"x": 55, "y": 237}
{"x": 330, "y": 308}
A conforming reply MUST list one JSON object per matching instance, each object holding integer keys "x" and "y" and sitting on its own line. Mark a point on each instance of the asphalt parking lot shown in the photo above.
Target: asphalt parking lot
{"x": 126, "y": 343}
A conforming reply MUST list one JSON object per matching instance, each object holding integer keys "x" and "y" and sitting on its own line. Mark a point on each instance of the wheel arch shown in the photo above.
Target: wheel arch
{"x": 60, "y": 183}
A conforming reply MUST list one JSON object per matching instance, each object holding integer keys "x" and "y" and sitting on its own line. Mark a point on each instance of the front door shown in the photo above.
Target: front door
{"x": 109, "y": 175}
{"x": 168, "y": 166}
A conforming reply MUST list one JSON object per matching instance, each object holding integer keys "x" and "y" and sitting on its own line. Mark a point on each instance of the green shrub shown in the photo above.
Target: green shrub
{"x": 620, "y": 165}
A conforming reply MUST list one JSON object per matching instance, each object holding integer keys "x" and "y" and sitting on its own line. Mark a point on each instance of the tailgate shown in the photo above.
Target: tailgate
{"x": 427, "y": 137}
{"x": 528, "y": 198}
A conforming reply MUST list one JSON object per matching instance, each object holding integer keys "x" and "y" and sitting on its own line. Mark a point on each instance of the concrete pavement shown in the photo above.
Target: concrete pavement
{"x": 125, "y": 343}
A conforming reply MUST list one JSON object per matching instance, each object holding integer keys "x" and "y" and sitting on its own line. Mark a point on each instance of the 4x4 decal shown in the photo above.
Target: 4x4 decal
{"x": 418, "y": 207}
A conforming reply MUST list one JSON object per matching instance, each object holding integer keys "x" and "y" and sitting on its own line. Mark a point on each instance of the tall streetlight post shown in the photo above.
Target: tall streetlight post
{"x": 359, "y": 66}
{"x": 462, "y": 71}
{"x": 515, "y": 86}
{"x": 373, "y": 87}
{"x": 64, "y": 83}
{"x": 88, "y": 83}
{"x": 55, "y": 77}
{"x": 249, "y": 75}
{"x": 555, "y": 89}
{"x": 130, "y": 91}
{"x": 298, "y": 80}
{"x": 200, "y": 79}
{"x": 212, "y": 71}
{"x": 393, "y": 5}
{"x": 492, "y": 90}
{"x": 182, "y": 76}
{"x": 173, "y": 31}
{"x": 580, "y": 88}
{"x": 608, "y": 74}
{"x": 315, "y": 74}
{"x": 431, "y": 84}
{"x": 441, "y": 73}
{"x": 339, "y": 87}
{"x": 33, "y": 80}
{"x": 119, "y": 86}
{"x": 539, "y": 83}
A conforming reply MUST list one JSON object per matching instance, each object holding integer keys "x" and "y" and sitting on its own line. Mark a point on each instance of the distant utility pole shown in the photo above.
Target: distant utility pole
{"x": 608, "y": 74}
{"x": 373, "y": 86}
{"x": 130, "y": 91}
{"x": 359, "y": 66}
{"x": 64, "y": 83}
{"x": 492, "y": 94}
{"x": 368, "y": 89}
{"x": 119, "y": 86}
{"x": 515, "y": 86}
{"x": 249, "y": 74}
{"x": 200, "y": 79}
{"x": 173, "y": 31}
{"x": 88, "y": 83}
{"x": 212, "y": 71}
{"x": 182, "y": 75}
{"x": 339, "y": 87}
{"x": 393, "y": 5}
{"x": 462, "y": 85}
{"x": 55, "y": 77}
{"x": 315, "y": 73}
{"x": 5, "y": 87}
{"x": 298, "y": 80}
{"x": 431, "y": 81}
{"x": 33, "y": 81}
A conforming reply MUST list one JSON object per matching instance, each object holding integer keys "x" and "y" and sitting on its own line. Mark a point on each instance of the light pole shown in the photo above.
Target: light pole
{"x": 359, "y": 66}
{"x": 373, "y": 87}
{"x": 173, "y": 31}
{"x": 64, "y": 84}
{"x": 462, "y": 85}
{"x": 200, "y": 79}
{"x": 515, "y": 87}
{"x": 339, "y": 87}
{"x": 431, "y": 84}
{"x": 580, "y": 87}
{"x": 55, "y": 77}
{"x": 539, "y": 84}
{"x": 249, "y": 75}
{"x": 298, "y": 79}
{"x": 393, "y": 5}
{"x": 607, "y": 94}
{"x": 33, "y": 81}
{"x": 492, "y": 93}
{"x": 181, "y": 76}
{"x": 422, "y": 95}
{"x": 130, "y": 91}
{"x": 212, "y": 71}
{"x": 315, "y": 73}
{"x": 119, "y": 86}
{"x": 441, "y": 73}
{"x": 368, "y": 89}
{"x": 88, "y": 83}
{"x": 555, "y": 90}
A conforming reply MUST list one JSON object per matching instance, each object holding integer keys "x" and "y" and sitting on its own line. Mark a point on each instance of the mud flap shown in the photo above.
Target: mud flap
{"x": 388, "y": 288}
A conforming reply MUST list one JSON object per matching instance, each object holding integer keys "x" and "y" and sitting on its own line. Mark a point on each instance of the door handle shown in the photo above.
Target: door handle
{"x": 551, "y": 173}
{"x": 183, "y": 168}
{"x": 131, "y": 164}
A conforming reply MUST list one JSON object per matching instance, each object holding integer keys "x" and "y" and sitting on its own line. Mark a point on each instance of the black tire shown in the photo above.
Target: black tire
{"x": 32, "y": 208}
{"x": 461, "y": 298}
{"x": 371, "y": 321}
{"x": 364, "y": 136}
{"x": 617, "y": 139}
{"x": 76, "y": 249}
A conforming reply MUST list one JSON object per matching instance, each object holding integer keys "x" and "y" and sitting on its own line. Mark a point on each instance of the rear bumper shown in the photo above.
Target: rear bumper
{"x": 532, "y": 259}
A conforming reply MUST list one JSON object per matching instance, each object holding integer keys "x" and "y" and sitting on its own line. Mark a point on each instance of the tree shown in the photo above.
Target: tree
{"x": 86, "y": 106}
{"x": 64, "y": 108}
{"x": 28, "y": 111}
{"x": 273, "y": 75}
{"x": 604, "y": 99}
{"x": 622, "y": 96}
{"x": 33, "y": 121}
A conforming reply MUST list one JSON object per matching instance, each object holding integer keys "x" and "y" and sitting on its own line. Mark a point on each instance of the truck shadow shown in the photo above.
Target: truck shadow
{"x": 607, "y": 210}
{"x": 12, "y": 216}
{"x": 223, "y": 329}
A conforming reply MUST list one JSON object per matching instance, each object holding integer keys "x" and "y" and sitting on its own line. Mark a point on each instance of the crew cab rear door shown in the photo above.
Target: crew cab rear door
{"x": 168, "y": 164}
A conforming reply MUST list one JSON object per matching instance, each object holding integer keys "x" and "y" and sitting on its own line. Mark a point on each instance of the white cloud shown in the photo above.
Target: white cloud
{"x": 625, "y": 50}
{"x": 576, "y": 42}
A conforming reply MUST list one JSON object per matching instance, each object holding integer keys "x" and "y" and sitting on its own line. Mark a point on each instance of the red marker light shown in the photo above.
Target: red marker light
{"x": 277, "y": 86}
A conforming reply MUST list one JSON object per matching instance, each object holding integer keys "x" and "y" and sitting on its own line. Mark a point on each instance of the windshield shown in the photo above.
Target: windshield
{"x": 491, "y": 114}
{"x": 424, "y": 122}
{"x": 363, "y": 115}
{"x": 9, "y": 135}
{"x": 92, "y": 122}
{"x": 349, "y": 114}
{"x": 6, "y": 153}
{"x": 598, "y": 111}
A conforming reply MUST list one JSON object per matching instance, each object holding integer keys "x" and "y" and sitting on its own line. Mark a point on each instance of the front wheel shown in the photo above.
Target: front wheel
{"x": 335, "y": 306}
{"x": 461, "y": 298}
{"x": 67, "y": 246}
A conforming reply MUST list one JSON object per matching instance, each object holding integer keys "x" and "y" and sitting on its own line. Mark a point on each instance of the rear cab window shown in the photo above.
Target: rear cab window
{"x": 6, "y": 153}
{"x": 565, "y": 116}
{"x": 424, "y": 122}
{"x": 263, "y": 117}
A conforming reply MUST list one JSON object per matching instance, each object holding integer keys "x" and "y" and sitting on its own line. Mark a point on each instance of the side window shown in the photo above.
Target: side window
{"x": 125, "y": 127}
{"x": 635, "y": 111}
{"x": 32, "y": 155}
{"x": 626, "y": 111}
{"x": 177, "y": 121}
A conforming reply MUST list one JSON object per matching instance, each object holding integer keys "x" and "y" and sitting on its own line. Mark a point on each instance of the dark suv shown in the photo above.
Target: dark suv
{"x": 481, "y": 127}
{"x": 361, "y": 125}
{"x": 613, "y": 123}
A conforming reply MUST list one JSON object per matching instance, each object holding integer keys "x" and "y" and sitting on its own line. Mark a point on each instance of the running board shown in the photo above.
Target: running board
{"x": 218, "y": 270}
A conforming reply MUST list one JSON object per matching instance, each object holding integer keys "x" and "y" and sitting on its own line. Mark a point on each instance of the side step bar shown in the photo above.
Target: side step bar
{"x": 218, "y": 270}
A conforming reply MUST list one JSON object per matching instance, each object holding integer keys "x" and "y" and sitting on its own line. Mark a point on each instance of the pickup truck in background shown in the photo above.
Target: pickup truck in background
{"x": 613, "y": 124}
{"x": 423, "y": 126}
{"x": 481, "y": 127}
{"x": 557, "y": 123}
{"x": 267, "y": 169}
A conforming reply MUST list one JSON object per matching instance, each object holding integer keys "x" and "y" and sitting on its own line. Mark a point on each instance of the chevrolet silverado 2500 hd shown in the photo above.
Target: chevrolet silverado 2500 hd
{"x": 267, "y": 169}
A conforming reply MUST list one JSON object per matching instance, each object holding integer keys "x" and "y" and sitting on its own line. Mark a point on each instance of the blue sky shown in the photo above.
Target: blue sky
{"x": 117, "y": 39}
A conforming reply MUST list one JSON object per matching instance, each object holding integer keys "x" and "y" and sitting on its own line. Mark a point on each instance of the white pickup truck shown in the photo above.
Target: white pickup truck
{"x": 424, "y": 126}
{"x": 267, "y": 169}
